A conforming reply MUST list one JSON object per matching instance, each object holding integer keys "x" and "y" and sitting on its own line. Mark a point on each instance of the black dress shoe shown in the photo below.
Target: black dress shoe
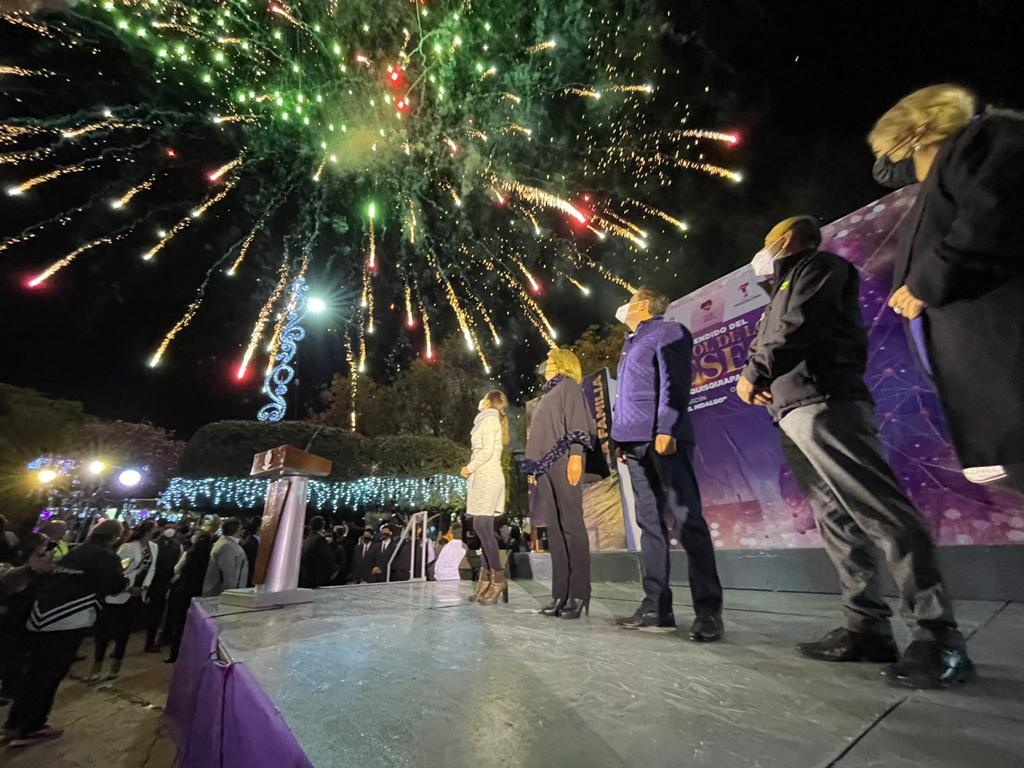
{"x": 707, "y": 628}
{"x": 644, "y": 618}
{"x": 927, "y": 664}
{"x": 553, "y": 608}
{"x": 574, "y": 608}
{"x": 845, "y": 645}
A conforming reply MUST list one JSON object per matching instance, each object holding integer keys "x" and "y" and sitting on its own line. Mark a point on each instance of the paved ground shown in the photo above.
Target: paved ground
{"x": 386, "y": 675}
{"x": 109, "y": 725}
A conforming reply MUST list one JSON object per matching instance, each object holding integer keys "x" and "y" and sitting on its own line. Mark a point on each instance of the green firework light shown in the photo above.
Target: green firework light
{"x": 469, "y": 147}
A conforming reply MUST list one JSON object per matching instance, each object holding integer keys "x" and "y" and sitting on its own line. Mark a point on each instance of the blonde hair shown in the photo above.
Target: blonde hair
{"x": 499, "y": 402}
{"x": 566, "y": 363}
{"x": 938, "y": 111}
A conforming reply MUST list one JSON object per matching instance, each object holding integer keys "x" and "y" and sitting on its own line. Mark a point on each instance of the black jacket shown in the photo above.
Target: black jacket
{"x": 318, "y": 564}
{"x": 811, "y": 345}
{"x": 362, "y": 564}
{"x": 71, "y": 595}
{"x": 168, "y": 552}
{"x": 963, "y": 255}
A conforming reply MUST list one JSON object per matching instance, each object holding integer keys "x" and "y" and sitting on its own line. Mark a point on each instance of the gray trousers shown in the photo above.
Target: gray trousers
{"x": 860, "y": 509}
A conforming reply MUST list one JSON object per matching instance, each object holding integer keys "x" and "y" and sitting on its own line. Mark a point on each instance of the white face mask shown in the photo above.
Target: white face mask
{"x": 763, "y": 262}
{"x": 169, "y": 533}
{"x": 622, "y": 312}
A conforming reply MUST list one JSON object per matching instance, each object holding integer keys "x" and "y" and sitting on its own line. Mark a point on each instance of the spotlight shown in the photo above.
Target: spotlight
{"x": 96, "y": 467}
{"x": 47, "y": 476}
{"x": 129, "y": 478}
{"x": 316, "y": 305}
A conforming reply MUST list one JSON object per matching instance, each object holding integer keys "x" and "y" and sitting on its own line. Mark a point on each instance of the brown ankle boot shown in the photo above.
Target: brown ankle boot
{"x": 482, "y": 584}
{"x": 496, "y": 589}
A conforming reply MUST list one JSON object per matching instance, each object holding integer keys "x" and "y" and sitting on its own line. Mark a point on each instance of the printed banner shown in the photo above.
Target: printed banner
{"x": 750, "y": 497}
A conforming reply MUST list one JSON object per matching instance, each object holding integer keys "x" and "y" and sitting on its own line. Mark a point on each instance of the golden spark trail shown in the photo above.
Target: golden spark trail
{"x": 262, "y": 317}
{"x": 285, "y": 13}
{"x": 13, "y": 158}
{"x": 631, "y": 88}
{"x": 539, "y": 197}
{"x": 182, "y": 324}
{"x": 282, "y": 318}
{"x": 588, "y": 93}
{"x": 58, "y": 265}
{"x": 126, "y": 198}
{"x": 36, "y": 181}
{"x": 426, "y": 333}
{"x": 187, "y": 221}
{"x": 680, "y": 225}
{"x": 511, "y": 97}
{"x": 245, "y": 246}
{"x": 22, "y": 72}
{"x": 216, "y": 175}
{"x": 22, "y": 19}
{"x": 522, "y": 130}
{"x": 108, "y": 125}
{"x": 545, "y": 46}
{"x": 702, "y": 133}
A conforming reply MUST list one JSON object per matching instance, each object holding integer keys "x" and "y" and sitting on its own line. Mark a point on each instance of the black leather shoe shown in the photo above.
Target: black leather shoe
{"x": 844, "y": 645}
{"x": 927, "y": 664}
{"x": 707, "y": 628}
{"x": 553, "y": 608}
{"x": 574, "y": 608}
{"x": 644, "y": 618}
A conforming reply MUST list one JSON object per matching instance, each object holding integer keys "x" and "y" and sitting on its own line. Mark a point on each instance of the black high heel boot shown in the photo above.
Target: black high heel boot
{"x": 554, "y": 607}
{"x": 574, "y": 607}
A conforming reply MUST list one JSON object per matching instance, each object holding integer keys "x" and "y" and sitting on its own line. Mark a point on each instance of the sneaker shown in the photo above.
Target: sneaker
{"x": 644, "y": 619}
{"x": 927, "y": 664}
{"x": 707, "y": 628}
{"x": 845, "y": 645}
{"x": 46, "y": 733}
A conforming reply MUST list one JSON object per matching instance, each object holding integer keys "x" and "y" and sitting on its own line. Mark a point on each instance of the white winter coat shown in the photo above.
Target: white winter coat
{"x": 486, "y": 494}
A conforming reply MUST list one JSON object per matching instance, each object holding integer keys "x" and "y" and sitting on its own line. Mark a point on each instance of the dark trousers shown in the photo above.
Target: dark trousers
{"x": 155, "y": 613}
{"x": 177, "y": 614}
{"x": 483, "y": 526}
{"x": 15, "y": 643}
{"x": 115, "y": 623}
{"x": 665, "y": 488}
{"x": 50, "y": 657}
{"x": 567, "y": 536}
{"x": 860, "y": 509}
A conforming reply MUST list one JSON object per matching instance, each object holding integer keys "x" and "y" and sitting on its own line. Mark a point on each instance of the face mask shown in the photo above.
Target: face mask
{"x": 894, "y": 175}
{"x": 169, "y": 533}
{"x": 622, "y": 313}
{"x": 763, "y": 262}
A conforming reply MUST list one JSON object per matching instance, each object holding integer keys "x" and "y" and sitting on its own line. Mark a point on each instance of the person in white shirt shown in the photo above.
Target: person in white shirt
{"x": 138, "y": 561}
{"x": 446, "y": 567}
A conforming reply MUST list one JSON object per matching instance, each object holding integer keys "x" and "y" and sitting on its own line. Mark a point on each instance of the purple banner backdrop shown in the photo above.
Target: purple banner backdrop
{"x": 750, "y": 497}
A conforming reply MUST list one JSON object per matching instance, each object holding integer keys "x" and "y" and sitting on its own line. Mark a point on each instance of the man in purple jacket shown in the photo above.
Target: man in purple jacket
{"x": 652, "y": 431}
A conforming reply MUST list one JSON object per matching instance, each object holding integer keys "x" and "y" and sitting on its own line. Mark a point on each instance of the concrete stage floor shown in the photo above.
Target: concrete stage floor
{"x": 413, "y": 675}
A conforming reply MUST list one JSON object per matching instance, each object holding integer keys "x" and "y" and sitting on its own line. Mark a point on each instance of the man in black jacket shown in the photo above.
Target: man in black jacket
{"x": 168, "y": 552}
{"x": 64, "y": 610}
{"x": 364, "y": 557}
{"x": 806, "y": 366}
{"x": 318, "y": 564}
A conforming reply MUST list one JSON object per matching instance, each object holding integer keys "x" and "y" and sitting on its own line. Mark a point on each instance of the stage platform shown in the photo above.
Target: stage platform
{"x": 412, "y": 675}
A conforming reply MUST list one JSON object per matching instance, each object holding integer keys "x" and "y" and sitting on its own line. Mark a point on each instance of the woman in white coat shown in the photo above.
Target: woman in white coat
{"x": 138, "y": 560}
{"x": 485, "y": 499}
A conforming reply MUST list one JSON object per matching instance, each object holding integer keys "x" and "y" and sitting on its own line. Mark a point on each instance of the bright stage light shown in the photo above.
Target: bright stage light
{"x": 316, "y": 305}
{"x": 129, "y": 478}
{"x": 47, "y": 476}
{"x": 96, "y": 467}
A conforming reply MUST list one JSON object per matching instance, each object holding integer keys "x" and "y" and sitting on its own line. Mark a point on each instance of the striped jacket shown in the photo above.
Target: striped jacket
{"x": 71, "y": 596}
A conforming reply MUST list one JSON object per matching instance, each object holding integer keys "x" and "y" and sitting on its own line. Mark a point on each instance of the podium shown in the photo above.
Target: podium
{"x": 276, "y": 574}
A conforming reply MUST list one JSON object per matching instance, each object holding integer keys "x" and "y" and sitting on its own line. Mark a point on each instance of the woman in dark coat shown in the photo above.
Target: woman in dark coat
{"x": 561, "y": 430}
{"x": 191, "y": 573}
{"x": 960, "y": 270}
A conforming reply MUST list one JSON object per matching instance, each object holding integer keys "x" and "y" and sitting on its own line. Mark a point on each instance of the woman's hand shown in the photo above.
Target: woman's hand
{"x": 465, "y": 472}
{"x": 574, "y": 470}
{"x": 904, "y": 303}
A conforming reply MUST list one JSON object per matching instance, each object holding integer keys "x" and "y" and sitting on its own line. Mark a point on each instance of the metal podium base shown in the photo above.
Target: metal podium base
{"x": 255, "y": 598}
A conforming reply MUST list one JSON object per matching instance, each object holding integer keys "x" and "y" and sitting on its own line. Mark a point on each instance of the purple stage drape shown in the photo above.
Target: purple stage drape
{"x": 218, "y": 714}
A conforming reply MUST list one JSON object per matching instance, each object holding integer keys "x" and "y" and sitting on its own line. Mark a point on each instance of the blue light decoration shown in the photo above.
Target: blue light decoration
{"x": 277, "y": 381}
{"x": 435, "y": 491}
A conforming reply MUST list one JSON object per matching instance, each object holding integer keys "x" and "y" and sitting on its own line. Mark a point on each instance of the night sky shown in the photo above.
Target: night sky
{"x": 801, "y": 81}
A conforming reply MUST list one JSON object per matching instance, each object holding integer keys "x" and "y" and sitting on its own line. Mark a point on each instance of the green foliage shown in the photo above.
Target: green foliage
{"x": 599, "y": 348}
{"x": 226, "y": 448}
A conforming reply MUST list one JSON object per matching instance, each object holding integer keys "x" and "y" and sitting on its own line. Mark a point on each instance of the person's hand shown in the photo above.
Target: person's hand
{"x": 531, "y": 479}
{"x": 665, "y": 445}
{"x": 750, "y": 395}
{"x": 376, "y": 569}
{"x": 465, "y": 472}
{"x": 574, "y": 470}
{"x": 40, "y": 561}
{"x": 904, "y": 303}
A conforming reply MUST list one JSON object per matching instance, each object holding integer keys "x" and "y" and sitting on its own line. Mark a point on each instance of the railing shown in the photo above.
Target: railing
{"x": 409, "y": 533}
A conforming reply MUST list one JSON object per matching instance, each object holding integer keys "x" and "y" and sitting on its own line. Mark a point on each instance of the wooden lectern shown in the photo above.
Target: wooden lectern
{"x": 284, "y": 516}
